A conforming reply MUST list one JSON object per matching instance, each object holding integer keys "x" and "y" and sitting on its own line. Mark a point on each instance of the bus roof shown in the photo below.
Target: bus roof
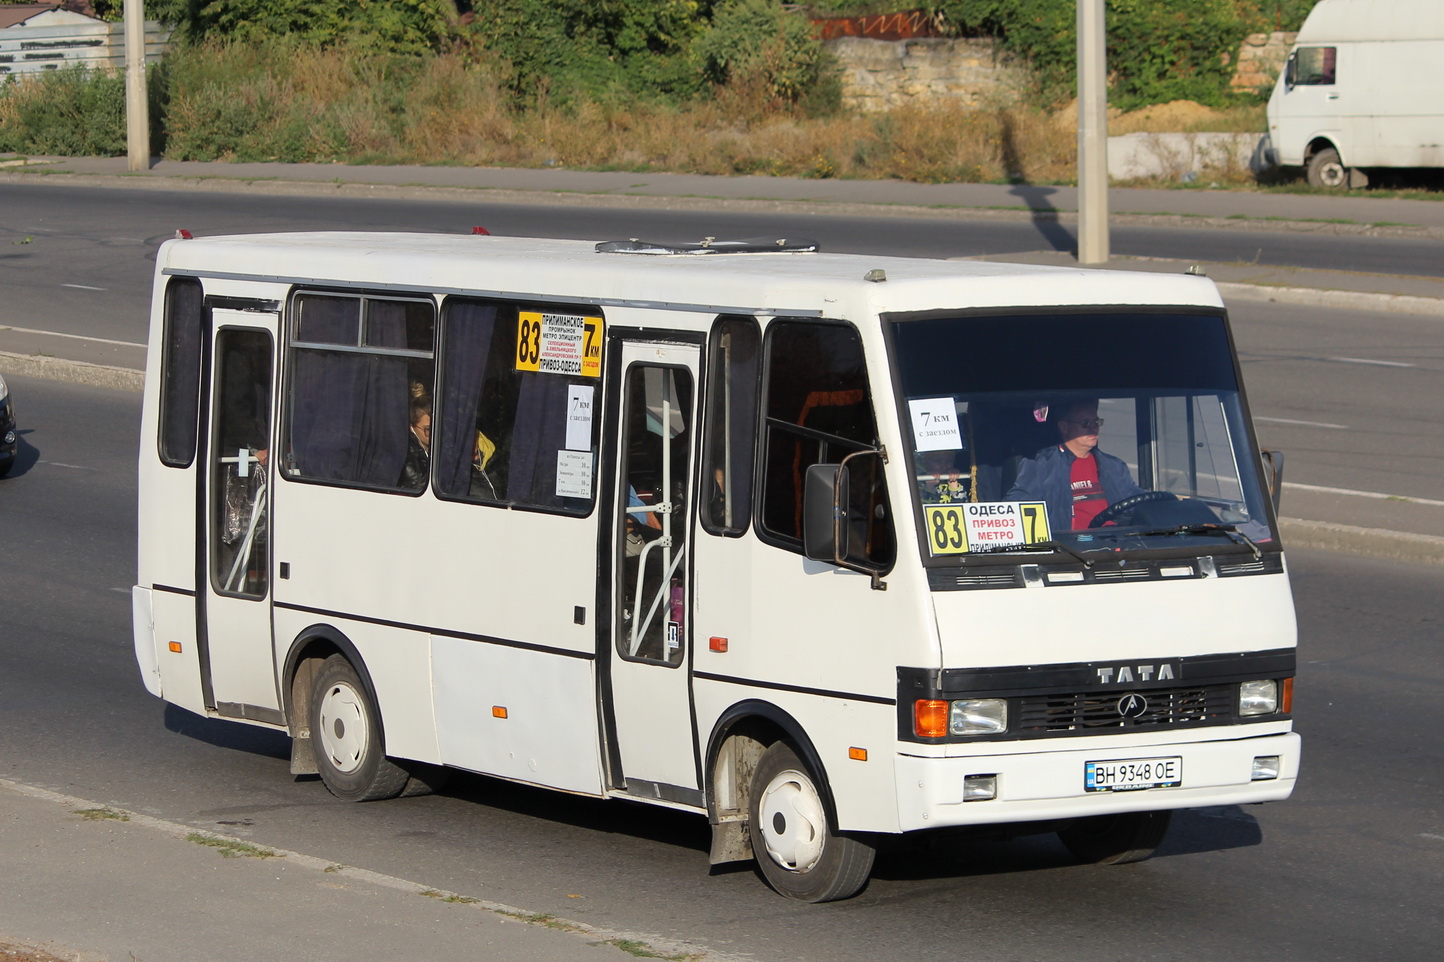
{"x": 573, "y": 270}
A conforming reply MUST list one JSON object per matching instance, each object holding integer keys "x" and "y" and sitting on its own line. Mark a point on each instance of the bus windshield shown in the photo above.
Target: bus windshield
{"x": 1084, "y": 430}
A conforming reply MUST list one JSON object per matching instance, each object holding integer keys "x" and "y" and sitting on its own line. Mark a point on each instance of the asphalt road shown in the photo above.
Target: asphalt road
{"x": 1347, "y": 869}
{"x": 81, "y": 258}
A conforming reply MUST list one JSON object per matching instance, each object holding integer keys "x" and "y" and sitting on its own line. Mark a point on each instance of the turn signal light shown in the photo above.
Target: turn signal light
{"x": 498, "y": 711}
{"x": 175, "y": 646}
{"x": 930, "y": 718}
{"x": 857, "y": 754}
{"x": 1286, "y": 701}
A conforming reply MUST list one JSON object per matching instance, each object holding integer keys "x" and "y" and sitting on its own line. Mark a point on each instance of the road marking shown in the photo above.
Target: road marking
{"x": 1307, "y": 424}
{"x": 1365, "y": 360}
{"x": 77, "y": 337}
{"x": 62, "y": 464}
{"x": 83, "y": 287}
{"x": 1363, "y": 494}
{"x": 1437, "y": 838}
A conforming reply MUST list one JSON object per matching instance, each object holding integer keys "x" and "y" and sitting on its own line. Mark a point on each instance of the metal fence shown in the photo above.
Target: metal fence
{"x": 98, "y": 45}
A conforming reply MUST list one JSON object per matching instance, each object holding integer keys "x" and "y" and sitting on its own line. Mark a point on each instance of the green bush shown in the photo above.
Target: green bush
{"x": 75, "y": 112}
{"x": 759, "y": 43}
{"x": 570, "y": 51}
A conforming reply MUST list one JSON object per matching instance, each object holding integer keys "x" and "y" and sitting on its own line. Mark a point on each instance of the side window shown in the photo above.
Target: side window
{"x": 518, "y": 395}
{"x": 731, "y": 419}
{"x": 360, "y": 390}
{"x": 180, "y": 386}
{"x": 818, "y": 411}
{"x": 1314, "y": 66}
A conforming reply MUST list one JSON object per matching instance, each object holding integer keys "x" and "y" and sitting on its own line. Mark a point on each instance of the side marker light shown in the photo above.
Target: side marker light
{"x": 498, "y": 711}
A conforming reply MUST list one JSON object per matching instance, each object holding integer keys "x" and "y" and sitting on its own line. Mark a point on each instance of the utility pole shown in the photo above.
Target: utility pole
{"x": 1092, "y": 134}
{"x": 137, "y": 110}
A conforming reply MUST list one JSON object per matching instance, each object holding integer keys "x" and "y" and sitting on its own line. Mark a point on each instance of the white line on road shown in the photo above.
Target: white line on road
{"x": 62, "y": 464}
{"x": 1437, "y": 838}
{"x": 1365, "y": 360}
{"x": 1363, "y": 494}
{"x": 83, "y": 287}
{"x": 77, "y": 337}
{"x": 1307, "y": 424}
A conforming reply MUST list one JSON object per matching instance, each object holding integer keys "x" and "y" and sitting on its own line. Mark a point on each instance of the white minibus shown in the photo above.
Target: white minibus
{"x": 825, "y": 548}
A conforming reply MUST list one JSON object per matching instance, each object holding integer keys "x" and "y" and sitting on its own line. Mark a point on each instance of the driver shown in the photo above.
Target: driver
{"x": 1074, "y": 478}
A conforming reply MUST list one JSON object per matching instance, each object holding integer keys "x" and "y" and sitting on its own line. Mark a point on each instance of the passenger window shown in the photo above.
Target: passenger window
{"x": 731, "y": 419}
{"x": 1314, "y": 66}
{"x": 518, "y": 395}
{"x": 180, "y": 385}
{"x": 818, "y": 411}
{"x": 360, "y": 390}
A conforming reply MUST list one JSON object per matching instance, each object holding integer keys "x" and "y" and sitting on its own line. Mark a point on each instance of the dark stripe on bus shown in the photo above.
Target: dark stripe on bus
{"x": 464, "y": 636}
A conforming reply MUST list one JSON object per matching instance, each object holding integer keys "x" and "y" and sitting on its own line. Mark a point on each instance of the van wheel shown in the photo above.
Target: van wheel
{"x": 346, "y": 737}
{"x": 796, "y": 849}
{"x": 1116, "y": 839}
{"x": 1326, "y": 170}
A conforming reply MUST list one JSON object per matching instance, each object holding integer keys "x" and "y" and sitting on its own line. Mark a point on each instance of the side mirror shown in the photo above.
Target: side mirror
{"x": 1273, "y": 462}
{"x": 824, "y": 513}
{"x": 1291, "y": 72}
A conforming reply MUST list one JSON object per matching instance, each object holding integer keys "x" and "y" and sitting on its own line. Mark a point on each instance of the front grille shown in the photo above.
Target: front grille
{"x": 1092, "y": 713}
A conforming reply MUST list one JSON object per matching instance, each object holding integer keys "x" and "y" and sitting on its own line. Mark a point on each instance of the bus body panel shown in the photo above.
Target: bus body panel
{"x": 1139, "y": 621}
{"x": 525, "y": 715}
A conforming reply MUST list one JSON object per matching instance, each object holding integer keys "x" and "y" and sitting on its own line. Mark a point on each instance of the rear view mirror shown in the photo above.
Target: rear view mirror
{"x": 1273, "y": 462}
{"x": 824, "y": 513}
{"x": 1291, "y": 71}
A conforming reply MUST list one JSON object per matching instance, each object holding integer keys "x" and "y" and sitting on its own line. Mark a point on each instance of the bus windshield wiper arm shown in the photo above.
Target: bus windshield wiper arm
{"x": 1044, "y": 545}
{"x": 1227, "y": 530}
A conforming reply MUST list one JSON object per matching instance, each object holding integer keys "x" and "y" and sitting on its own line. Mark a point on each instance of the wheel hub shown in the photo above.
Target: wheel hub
{"x": 342, "y": 728}
{"x": 792, "y": 822}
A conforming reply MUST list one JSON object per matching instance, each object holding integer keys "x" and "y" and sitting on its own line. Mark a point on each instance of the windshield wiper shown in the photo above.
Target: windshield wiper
{"x": 1042, "y": 545}
{"x": 1229, "y": 531}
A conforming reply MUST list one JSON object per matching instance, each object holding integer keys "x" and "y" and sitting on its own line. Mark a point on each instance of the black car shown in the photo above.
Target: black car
{"x": 7, "y": 429}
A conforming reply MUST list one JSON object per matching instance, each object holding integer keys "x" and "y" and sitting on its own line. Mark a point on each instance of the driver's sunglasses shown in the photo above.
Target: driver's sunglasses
{"x": 1091, "y": 424}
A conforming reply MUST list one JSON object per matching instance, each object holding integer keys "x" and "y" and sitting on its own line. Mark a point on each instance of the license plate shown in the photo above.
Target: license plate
{"x": 1133, "y": 774}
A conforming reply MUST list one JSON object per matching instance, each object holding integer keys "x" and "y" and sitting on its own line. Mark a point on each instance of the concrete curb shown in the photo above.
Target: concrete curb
{"x": 76, "y": 372}
{"x": 640, "y": 943}
{"x": 1370, "y": 542}
{"x": 1357, "y": 300}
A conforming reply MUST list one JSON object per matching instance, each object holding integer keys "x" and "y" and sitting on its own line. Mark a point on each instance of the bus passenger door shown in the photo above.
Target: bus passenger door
{"x": 652, "y": 745}
{"x": 237, "y": 659}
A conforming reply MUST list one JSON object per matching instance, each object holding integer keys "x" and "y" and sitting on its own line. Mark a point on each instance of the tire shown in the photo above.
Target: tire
{"x": 425, "y": 779}
{"x": 346, "y": 737}
{"x": 1116, "y": 839}
{"x": 796, "y": 849}
{"x": 1326, "y": 170}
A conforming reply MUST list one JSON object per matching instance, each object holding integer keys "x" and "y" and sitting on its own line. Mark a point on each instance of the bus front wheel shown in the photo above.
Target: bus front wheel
{"x": 346, "y": 737}
{"x": 795, "y": 847}
{"x": 1326, "y": 169}
{"x": 1116, "y": 839}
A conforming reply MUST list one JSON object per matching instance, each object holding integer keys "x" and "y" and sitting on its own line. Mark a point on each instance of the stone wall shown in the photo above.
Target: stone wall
{"x": 882, "y": 74}
{"x": 1260, "y": 59}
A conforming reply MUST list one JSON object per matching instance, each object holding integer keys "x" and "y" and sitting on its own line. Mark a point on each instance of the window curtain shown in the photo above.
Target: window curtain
{"x": 469, "y": 327}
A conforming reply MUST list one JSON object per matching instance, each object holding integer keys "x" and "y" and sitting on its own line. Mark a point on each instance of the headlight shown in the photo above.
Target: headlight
{"x": 978, "y": 716}
{"x": 1258, "y": 697}
{"x": 4, "y": 391}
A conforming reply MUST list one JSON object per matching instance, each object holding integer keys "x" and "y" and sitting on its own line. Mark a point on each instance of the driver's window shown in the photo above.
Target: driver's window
{"x": 1314, "y": 66}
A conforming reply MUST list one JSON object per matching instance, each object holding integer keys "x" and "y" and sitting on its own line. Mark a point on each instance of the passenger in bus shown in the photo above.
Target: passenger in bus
{"x": 941, "y": 478}
{"x": 1074, "y": 478}
{"x": 417, "y": 469}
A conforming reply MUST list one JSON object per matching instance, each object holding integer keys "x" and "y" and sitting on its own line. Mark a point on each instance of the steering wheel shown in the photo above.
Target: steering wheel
{"x": 1128, "y": 504}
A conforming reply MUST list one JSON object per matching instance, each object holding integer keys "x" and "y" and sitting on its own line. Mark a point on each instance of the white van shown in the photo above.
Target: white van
{"x": 1361, "y": 90}
{"x": 791, "y": 540}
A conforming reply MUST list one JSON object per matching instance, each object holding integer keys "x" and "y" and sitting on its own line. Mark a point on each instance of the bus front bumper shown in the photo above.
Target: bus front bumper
{"x": 1052, "y": 784}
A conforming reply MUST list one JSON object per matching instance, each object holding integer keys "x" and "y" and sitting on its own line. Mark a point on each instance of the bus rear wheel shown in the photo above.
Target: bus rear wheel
{"x": 346, "y": 737}
{"x": 795, "y": 847}
{"x": 1116, "y": 839}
